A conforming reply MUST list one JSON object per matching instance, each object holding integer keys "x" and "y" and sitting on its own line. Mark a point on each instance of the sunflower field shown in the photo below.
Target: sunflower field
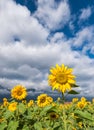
{"x": 44, "y": 113}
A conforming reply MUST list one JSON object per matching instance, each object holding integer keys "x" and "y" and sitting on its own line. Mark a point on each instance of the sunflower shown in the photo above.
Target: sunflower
{"x": 30, "y": 103}
{"x": 44, "y": 100}
{"x": 74, "y": 100}
{"x": 1, "y": 120}
{"x": 81, "y": 104}
{"x": 53, "y": 116}
{"x": 18, "y": 92}
{"x": 61, "y": 78}
{"x": 12, "y": 106}
{"x": 5, "y": 102}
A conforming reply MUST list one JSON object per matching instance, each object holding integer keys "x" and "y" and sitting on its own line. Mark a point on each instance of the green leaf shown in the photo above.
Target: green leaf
{"x": 38, "y": 126}
{"x": 13, "y": 125}
{"x": 72, "y": 92}
{"x": 74, "y": 85}
{"x": 8, "y": 114}
{"x": 47, "y": 108}
{"x": 56, "y": 125}
{"x": 84, "y": 114}
{"x": 21, "y": 108}
{"x": 25, "y": 127}
{"x": 3, "y": 126}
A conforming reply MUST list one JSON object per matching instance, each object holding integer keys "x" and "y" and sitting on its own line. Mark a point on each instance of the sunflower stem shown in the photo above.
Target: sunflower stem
{"x": 63, "y": 98}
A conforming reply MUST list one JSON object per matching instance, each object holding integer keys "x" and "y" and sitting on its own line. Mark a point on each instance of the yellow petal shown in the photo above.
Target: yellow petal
{"x": 53, "y": 71}
{"x": 51, "y": 77}
{"x": 68, "y": 86}
{"x": 68, "y": 71}
{"x": 63, "y": 89}
{"x": 56, "y": 85}
{"x": 71, "y": 81}
{"x": 58, "y": 67}
{"x": 71, "y": 76}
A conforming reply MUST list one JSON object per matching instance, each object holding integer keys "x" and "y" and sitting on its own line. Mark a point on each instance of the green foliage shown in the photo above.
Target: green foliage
{"x": 55, "y": 116}
{"x": 38, "y": 126}
{"x": 74, "y": 86}
{"x": 21, "y": 108}
{"x": 84, "y": 114}
{"x": 13, "y": 125}
{"x": 3, "y": 125}
{"x": 8, "y": 114}
{"x": 73, "y": 92}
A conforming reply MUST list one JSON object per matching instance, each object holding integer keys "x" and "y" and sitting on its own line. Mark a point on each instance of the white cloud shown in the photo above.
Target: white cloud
{"x": 16, "y": 22}
{"x": 35, "y": 65}
{"x": 85, "y": 35}
{"x": 59, "y": 36}
{"x": 85, "y": 13}
{"x": 20, "y": 63}
{"x": 53, "y": 15}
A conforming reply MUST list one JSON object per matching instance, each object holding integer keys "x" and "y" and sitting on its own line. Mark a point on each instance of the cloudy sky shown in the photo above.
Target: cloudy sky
{"x": 38, "y": 34}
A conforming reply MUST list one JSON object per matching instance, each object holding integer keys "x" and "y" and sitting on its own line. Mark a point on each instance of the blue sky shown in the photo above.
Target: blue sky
{"x": 38, "y": 34}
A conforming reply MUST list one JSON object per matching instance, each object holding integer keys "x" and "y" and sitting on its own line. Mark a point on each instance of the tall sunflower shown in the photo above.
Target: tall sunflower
{"x": 61, "y": 78}
{"x": 18, "y": 92}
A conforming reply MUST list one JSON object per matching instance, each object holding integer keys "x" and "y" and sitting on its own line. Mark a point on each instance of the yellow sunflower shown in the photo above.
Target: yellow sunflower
{"x": 44, "y": 100}
{"x": 5, "y": 102}
{"x": 19, "y": 92}
{"x": 61, "y": 78}
{"x": 81, "y": 104}
{"x": 12, "y": 106}
{"x": 30, "y": 103}
{"x": 1, "y": 120}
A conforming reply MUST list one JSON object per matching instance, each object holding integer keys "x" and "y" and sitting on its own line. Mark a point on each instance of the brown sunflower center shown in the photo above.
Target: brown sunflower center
{"x": 61, "y": 78}
{"x": 53, "y": 116}
{"x": 81, "y": 105}
{"x": 43, "y": 99}
{"x": 19, "y": 93}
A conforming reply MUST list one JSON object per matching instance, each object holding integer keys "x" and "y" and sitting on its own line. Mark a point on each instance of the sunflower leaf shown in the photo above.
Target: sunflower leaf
{"x": 3, "y": 126}
{"x": 74, "y": 85}
{"x": 38, "y": 126}
{"x": 47, "y": 108}
{"x": 84, "y": 114}
{"x": 21, "y": 108}
{"x": 13, "y": 125}
{"x": 72, "y": 92}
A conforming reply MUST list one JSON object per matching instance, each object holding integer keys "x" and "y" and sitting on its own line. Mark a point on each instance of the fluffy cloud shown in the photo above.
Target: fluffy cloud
{"x": 85, "y": 13}
{"x": 20, "y": 63}
{"x": 17, "y": 23}
{"x": 53, "y": 15}
{"x": 84, "y": 36}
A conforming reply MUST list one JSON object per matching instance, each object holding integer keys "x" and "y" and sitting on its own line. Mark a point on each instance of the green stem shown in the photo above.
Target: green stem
{"x": 65, "y": 125}
{"x": 65, "y": 120}
{"x": 63, "y": 98}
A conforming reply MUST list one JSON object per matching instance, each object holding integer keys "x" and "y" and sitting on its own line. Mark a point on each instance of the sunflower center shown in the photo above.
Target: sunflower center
{"x": 53, "y": 116}
{"x": 19, "y": 93}
{"x": 43, "y": 100}
{"x": 61, "y": 78}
